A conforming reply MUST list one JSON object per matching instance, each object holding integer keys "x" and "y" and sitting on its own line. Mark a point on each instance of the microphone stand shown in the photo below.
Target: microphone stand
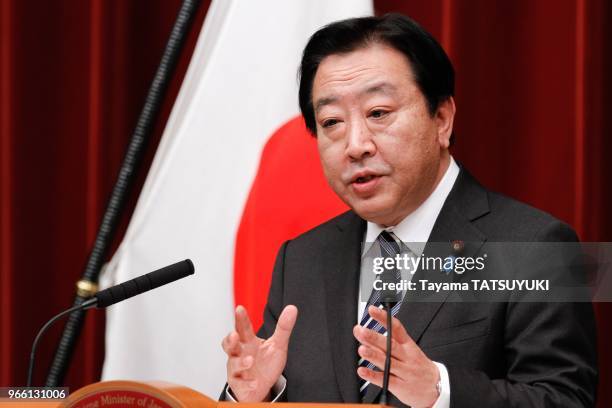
{"x": 88, "y": 304}
{"x": 385, "y": 387}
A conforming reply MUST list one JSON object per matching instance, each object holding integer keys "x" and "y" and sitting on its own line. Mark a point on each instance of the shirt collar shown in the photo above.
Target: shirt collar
{"x": 414, "y": 230}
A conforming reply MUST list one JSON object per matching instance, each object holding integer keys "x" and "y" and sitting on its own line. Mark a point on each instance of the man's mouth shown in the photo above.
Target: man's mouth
{"x": 364, "y": 179}
{"x": 363, "y": 176}
{"x": 365, "y": 185}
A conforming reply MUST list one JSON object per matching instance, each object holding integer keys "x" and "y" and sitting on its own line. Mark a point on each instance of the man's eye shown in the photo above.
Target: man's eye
{"x": 378, "y": 113}
{"x": 329, "y": 122}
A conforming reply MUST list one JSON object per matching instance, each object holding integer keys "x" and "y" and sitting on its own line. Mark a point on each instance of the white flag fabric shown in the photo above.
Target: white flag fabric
{"x": 240, "y": 86}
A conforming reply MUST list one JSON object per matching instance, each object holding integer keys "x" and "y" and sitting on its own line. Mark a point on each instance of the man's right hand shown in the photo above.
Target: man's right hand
{"x": 254, "y": 365}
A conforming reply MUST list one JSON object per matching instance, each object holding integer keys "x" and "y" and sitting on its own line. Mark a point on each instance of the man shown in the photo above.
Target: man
{"x": 377, "y": 93}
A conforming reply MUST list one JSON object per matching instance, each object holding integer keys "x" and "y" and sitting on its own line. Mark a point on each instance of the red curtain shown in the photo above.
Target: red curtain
{"x": 530, "y": 123}
{"x": 73, "y": 79}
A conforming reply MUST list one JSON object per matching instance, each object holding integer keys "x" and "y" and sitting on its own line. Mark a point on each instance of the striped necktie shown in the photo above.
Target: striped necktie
{"x": 389, "y": 248}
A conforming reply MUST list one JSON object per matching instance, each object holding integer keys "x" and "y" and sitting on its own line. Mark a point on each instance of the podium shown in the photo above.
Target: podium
{"x": 111, "y": 394}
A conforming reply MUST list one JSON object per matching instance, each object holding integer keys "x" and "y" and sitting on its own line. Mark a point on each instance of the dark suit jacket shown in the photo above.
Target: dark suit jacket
{"x": 504, "y": 354}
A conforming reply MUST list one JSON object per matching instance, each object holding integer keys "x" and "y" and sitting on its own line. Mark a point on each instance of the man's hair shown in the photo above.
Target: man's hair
{"x": 432, "y": 69}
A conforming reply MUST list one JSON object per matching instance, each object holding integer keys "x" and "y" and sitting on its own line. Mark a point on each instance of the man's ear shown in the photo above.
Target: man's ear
{"x": 445, "y": 115}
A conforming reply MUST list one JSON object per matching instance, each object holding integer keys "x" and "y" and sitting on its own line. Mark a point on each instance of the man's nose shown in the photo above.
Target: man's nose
{"x": 359, "y": 142}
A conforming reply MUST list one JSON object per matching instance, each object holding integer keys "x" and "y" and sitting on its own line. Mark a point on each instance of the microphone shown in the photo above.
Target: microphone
{"x": 388, "y": 305}
{"x": 118, "y": 293}
{"x": 389, "y": 298}
{"x": 141, "y": 284}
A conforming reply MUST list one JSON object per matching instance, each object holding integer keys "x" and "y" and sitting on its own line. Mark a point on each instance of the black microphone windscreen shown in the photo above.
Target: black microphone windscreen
{"x": 144, "y": 283}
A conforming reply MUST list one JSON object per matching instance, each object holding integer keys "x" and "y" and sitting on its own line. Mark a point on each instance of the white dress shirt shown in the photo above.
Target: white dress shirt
{"x": 412, "y": 231}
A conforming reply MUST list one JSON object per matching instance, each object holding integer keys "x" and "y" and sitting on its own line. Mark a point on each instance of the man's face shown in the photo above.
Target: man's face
{"x": 381, "y": 150}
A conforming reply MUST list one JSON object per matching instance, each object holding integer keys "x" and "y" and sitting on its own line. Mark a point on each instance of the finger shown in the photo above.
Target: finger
{"x": 242, "y": 375}
{"x": 376, "y": 340}
{"x": 236, "y": 365}
{"x": 376, "y": 378}
{"x": 284, "y": 326}
{"x": 399, "y": 332}
{"x": 239, "y": 383}
{"x": 231, "y": 344}
{"x": 243, "y": 325}
{"x": 378, "y": 357}
{"x": 370, "y": 337}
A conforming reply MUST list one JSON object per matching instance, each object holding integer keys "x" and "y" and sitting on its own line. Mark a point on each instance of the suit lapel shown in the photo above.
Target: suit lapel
{"x": 340, "y": 268}
{"x": 420, "y": 308}
{"x": 466, "y": 202}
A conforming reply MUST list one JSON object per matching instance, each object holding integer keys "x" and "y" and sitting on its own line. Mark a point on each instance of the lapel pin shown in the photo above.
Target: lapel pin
{"x": 457, "y": 246}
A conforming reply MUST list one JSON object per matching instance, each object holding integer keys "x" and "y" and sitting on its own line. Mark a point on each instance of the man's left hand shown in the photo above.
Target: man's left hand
{"x": 413, "y": 376}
